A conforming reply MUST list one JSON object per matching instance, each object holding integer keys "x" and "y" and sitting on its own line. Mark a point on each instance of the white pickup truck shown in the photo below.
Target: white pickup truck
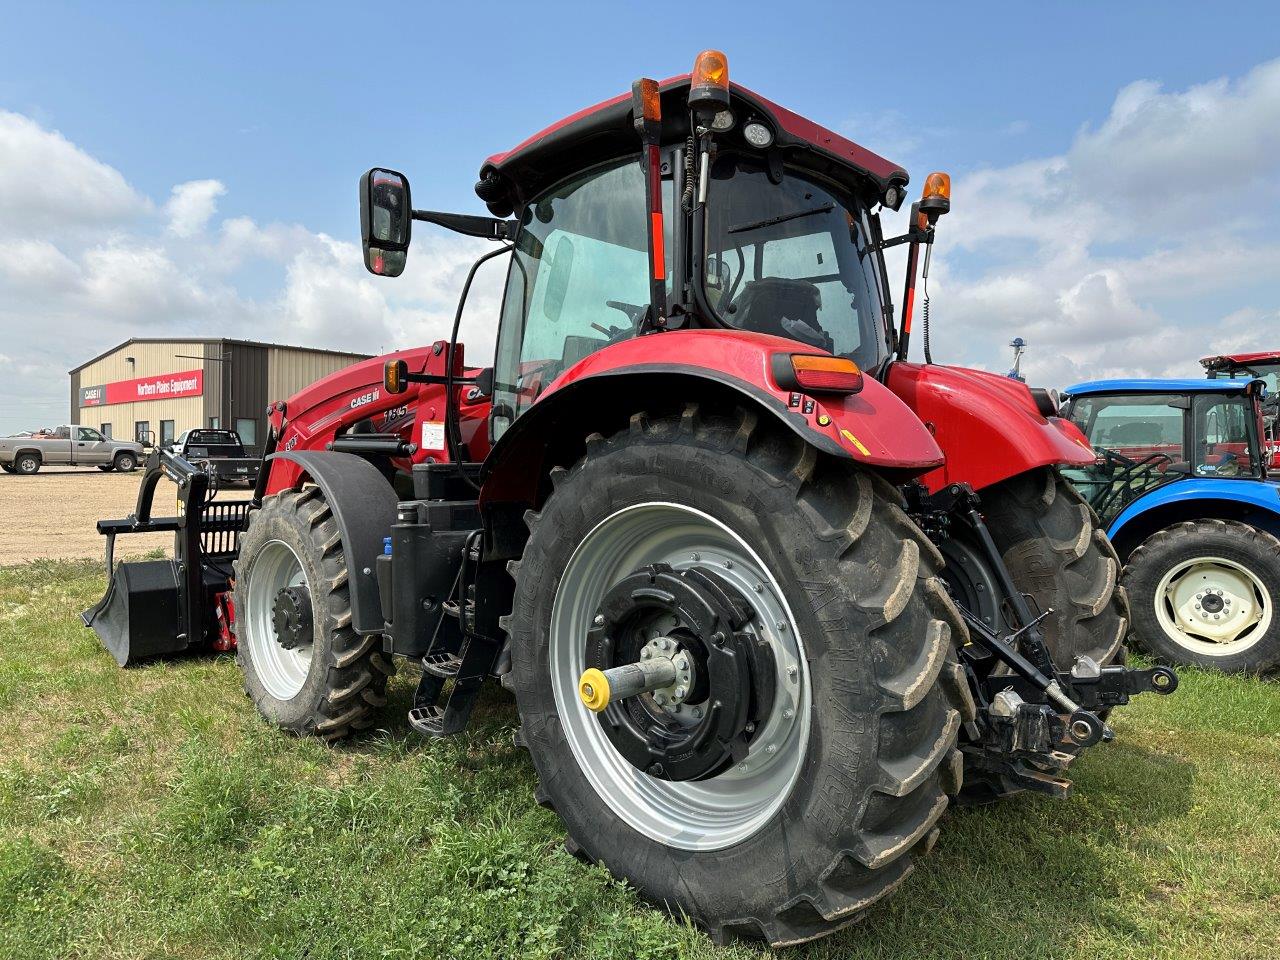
{"x": 70, "y": 445}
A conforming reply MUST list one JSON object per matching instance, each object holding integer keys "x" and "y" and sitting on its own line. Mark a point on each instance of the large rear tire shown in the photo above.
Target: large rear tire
{"x": 1205, "y": 595}
{"x": 27, "y": 464}
{"x": 1057, "y": 552}
{"x": 837, "y": 797}
{"x": 317, "y": 675}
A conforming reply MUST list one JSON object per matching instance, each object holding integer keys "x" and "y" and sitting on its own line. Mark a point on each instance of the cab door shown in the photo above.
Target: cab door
{"x": 88, "y": 446}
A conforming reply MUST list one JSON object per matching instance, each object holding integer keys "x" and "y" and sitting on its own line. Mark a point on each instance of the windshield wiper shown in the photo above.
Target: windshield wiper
{"x": 781, "y": 218}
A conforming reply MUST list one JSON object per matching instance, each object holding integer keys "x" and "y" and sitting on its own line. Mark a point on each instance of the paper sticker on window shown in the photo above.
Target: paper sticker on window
{"x": 433, "y": 435}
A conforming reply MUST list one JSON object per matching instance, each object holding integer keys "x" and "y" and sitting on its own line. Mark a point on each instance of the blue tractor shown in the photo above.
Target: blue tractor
{"x": 1181, "y": 485}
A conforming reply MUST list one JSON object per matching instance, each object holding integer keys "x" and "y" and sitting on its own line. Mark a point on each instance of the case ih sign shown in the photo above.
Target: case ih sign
{"x": 166, "y": 386}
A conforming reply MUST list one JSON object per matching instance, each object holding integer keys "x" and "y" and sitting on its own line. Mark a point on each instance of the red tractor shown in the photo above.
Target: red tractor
{"x": 768, "y": 595}
{"x": 1265, "y": 366}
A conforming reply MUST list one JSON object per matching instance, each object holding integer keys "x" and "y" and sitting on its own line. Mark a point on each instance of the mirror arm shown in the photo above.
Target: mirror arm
{"x": 487, "y": 228}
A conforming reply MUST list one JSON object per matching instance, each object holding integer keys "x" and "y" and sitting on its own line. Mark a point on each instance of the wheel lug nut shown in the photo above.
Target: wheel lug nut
{"x": 792, "y": 671}
{"x": 1199, "y": 596}
{"x": 598, "y": 621}
{"x": 788, "y": 714}
{"x": 728, "y": 564}
{"x": 772, "y": 748}
{"x": 759, "y": 588}
{"x": 697, "y": 713}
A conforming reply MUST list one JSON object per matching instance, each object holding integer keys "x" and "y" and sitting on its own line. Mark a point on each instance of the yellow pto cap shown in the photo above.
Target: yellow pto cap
{"x": 593, "y": 688}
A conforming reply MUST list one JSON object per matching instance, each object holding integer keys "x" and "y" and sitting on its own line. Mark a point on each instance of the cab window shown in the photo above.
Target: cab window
{"x": 1134, "y": 425}
{"x": 578, "y": 281}
{"x": 1223, "y": 440}
{"x": 88, "y": 434}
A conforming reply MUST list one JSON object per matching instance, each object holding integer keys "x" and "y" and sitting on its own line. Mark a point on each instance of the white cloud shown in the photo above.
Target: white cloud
{"x": 49, "y": 186}
{"x": 192, "y": 204}
{"x": 1134, "y": 252}
{"x": 87, "y": 261}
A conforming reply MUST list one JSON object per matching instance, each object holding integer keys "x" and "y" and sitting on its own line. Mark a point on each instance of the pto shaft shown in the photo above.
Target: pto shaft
{"x": 599, "y": 688}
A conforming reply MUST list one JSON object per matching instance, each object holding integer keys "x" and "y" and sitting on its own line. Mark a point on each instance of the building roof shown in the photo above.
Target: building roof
{"x": 1169, "y": 385}
{"x": 222, "y": 340}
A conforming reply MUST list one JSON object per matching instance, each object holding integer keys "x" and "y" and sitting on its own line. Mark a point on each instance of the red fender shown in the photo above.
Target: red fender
{"x": 987, "y": 425}
{"x": 872, "y": 426}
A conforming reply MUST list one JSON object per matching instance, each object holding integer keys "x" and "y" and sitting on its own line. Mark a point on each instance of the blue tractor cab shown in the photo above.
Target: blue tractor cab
{"x": 1181, "y": 484}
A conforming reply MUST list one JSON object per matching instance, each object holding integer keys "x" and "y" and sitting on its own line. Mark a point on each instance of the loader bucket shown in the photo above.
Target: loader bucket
{"x": 159, "y": 608}
{"x": 139, "y": 617}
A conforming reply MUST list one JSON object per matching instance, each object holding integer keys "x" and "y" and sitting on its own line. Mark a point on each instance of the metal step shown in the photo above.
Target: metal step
{"x": 428, "y": 721}
{"x": 442, "y": 665}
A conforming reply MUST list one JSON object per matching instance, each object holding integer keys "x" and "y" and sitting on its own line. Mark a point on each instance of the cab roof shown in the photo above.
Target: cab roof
{"x": 605, "y": 131}
{"x": 1170, "y": 385}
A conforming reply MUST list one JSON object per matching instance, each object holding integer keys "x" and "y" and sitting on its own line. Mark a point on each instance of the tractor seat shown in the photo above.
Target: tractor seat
{"x": 784, "y": 308}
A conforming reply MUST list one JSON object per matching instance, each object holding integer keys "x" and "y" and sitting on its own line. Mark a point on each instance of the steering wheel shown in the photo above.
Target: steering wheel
{"x": 1128, "y": 462}
{"x": 635, "y": 313}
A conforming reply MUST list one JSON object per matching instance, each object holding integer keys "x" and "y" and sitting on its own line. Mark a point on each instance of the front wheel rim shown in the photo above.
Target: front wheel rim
{"x": 732, "y": 806}
{"x": 1213, "y": 606}
{"x": 282, "y": 672}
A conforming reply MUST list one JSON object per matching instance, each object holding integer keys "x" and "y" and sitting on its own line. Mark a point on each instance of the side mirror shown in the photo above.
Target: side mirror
{"x": 386, "y": 219}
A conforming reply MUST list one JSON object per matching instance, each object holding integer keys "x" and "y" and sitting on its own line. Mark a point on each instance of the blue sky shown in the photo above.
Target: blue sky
{"x": 267, "y": 113}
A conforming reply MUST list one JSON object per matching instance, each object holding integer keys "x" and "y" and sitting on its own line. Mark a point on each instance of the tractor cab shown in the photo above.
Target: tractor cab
{"x": 1264, "y": 366}
{"x": 1150, "y": 433}
{"x": 691, "y": 204}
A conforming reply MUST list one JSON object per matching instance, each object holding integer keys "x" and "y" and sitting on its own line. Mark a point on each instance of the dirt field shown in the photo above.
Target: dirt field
{"x": 52, "y": 514}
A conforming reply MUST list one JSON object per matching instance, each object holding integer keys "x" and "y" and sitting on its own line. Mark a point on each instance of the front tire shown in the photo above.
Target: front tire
{"x": 1205, "y": 594}
{"x": 125, "y": 462}
{"x": 829, "y": 810}
{"x": 318, "y": 676}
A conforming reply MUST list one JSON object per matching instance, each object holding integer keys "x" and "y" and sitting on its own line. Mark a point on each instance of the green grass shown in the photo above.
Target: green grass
{"x": 149, "y": 813}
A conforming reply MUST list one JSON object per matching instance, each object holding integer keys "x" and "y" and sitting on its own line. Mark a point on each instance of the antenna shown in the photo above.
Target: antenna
{"x": 1019, "y": 348}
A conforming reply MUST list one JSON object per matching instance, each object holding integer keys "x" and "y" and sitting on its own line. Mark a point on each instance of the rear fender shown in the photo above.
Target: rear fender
{"x": 987, "y": 425}
{"x": 364, "y": 508}
{"x": 1255, "y": 502}
{"x": 600, "y": 393}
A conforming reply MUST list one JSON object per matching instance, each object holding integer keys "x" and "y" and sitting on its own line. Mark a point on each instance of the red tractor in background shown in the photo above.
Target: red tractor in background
{"x": 1263, "y": 365}
{"x": 767, "y": 593}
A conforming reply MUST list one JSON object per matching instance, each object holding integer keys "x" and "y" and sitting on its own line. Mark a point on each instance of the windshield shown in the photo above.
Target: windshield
{"x": 792, "y": 259}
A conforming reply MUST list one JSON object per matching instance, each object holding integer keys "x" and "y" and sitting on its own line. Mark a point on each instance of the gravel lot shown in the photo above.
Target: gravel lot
{"x": 52, "y": 514}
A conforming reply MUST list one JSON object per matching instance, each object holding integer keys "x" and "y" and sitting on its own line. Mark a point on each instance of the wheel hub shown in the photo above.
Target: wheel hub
{"x": 1213, "y": 605}
{"x": 702, "y": 721}
{"x": 291, "y": 617}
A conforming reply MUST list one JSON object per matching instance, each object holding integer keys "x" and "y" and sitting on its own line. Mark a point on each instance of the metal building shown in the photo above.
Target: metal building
{"x": 156, "y": 388}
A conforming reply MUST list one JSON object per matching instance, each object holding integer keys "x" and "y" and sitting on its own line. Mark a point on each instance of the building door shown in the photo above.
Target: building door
{"x": 106, "y": 430}
{"x": 166, "y": 433}
{"x": 142, "y": 432}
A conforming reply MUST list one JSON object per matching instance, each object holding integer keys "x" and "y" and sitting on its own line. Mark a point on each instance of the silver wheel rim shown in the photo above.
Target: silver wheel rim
{"x": 283, "y": 672}
{"x": 1237, "y": 619}
{"x": 726, "y": 809}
